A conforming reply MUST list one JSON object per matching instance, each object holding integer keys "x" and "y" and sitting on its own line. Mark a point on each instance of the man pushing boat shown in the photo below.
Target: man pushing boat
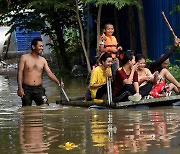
{"x": 29, "y": 77}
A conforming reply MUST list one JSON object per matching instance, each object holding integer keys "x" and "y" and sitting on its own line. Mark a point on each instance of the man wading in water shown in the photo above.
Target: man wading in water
{"x": 29, "y": 78}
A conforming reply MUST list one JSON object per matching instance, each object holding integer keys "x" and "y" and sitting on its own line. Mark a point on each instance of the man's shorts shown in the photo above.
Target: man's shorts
{"x": 36, "y": 93}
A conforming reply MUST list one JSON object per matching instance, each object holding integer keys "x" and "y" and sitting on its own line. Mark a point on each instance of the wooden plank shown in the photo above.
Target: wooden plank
{"x": 80, "y": 103}
{"x": 152, "y": 102}
{"x": 164, "y": 100}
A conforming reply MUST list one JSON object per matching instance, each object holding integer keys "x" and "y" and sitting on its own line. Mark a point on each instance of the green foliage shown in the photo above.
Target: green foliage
{"x": 175, "y": 70}
{"x": 148, "y": 60}
{"x": 117, "y": 3}
{"x": 51, "y": 17}
{"x": 176, "y": 8}
{"x": 177, "y": 55}
{"x": 54, "y": 18}
{"x": 73, "y": 44}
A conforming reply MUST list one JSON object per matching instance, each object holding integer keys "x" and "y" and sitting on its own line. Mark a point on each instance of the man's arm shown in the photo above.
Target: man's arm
{"x": 20, "y": 91}
{"x": 50, "y": 74}
{"x": 167, "y": 54}
{"x": 164, "y": 57}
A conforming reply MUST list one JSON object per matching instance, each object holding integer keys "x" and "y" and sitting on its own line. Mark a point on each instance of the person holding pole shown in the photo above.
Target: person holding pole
{"x": 160, "y": 66}
{"x": 29, "y": 77}
{"x": 98, "y": 79}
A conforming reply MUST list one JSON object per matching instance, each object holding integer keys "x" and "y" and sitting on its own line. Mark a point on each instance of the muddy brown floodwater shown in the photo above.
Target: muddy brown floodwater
{"x": 60, "y": 129}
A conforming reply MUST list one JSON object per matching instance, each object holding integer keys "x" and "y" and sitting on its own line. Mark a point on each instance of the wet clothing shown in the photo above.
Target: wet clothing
{"x": 156, "y": 65}
{"x": 119, "y": 86}
{"x": 36, "y": 93}
{"x": 97, "y": 77}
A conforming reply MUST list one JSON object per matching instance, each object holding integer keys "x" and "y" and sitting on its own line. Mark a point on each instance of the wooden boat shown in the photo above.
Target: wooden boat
{"x": 162, "y": 101}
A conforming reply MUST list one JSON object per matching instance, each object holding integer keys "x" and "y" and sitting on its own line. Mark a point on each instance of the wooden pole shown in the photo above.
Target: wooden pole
{"x": 169, "y": 26}
{"x": 63, "y": 91}
{"x": 109, "y": 91}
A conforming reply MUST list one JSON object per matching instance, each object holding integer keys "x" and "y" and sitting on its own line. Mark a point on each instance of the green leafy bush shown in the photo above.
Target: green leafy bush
{"x": 175, "y": 71}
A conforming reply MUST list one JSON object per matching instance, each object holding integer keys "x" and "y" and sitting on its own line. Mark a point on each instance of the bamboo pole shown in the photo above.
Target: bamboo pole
{"x": 169, "y": 26}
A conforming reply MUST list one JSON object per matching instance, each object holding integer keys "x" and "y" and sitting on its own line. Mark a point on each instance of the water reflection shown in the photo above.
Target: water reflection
{"x": 163, "y": 128}
{"x": 31, "y": 132}
{"x": 133, "y": 131}
{"x": 98, "y": 129}
{"x": 43, "y": 130}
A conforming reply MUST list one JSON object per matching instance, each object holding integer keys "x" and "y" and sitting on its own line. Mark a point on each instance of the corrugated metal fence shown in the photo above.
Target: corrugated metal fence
{"x": 158, "y": 34}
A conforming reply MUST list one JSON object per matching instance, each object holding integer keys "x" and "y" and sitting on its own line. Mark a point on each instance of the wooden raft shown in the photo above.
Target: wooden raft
{"x": 162, "y": 101}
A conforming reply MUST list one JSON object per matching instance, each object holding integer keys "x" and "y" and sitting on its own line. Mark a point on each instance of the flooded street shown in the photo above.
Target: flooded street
{"x": 49, "y": 129}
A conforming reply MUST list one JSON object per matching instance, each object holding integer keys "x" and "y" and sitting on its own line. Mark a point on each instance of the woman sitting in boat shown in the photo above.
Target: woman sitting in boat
{"x": 98, "y": 78}
{"x": 126, "y": 79}
{"x": 146, "y": 79}
{"x": 160, "y": 66}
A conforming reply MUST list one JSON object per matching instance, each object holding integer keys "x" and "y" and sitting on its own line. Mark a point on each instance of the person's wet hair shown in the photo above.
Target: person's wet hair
{"x": 139, "y": 57}
{"x": 104, "y": 57}
{"x": 35, "y": 41}
{"x": 126, "y": 56}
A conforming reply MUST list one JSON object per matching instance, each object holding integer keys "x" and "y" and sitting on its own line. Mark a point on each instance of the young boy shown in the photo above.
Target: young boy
{"x": 108, "y": 43}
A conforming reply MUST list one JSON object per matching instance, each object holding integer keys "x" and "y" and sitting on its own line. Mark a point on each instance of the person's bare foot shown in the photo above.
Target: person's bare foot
{"x": 84, "y": 101}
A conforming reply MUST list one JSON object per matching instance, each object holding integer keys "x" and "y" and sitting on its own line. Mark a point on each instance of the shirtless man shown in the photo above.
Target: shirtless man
{"x": 29, "y": 77}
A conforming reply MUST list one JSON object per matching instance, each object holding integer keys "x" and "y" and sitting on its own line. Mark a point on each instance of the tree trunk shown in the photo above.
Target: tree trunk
{"x": 88, "y": 30}
{"x": 98, "y": 28}
{"x": 142, "y": 30}
{"x": 7, "y": 47}
{"x": 82, "y": 38}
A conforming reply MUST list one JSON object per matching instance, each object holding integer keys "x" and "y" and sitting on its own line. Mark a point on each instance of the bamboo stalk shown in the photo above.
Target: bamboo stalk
{"x": 169, "y": 26}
